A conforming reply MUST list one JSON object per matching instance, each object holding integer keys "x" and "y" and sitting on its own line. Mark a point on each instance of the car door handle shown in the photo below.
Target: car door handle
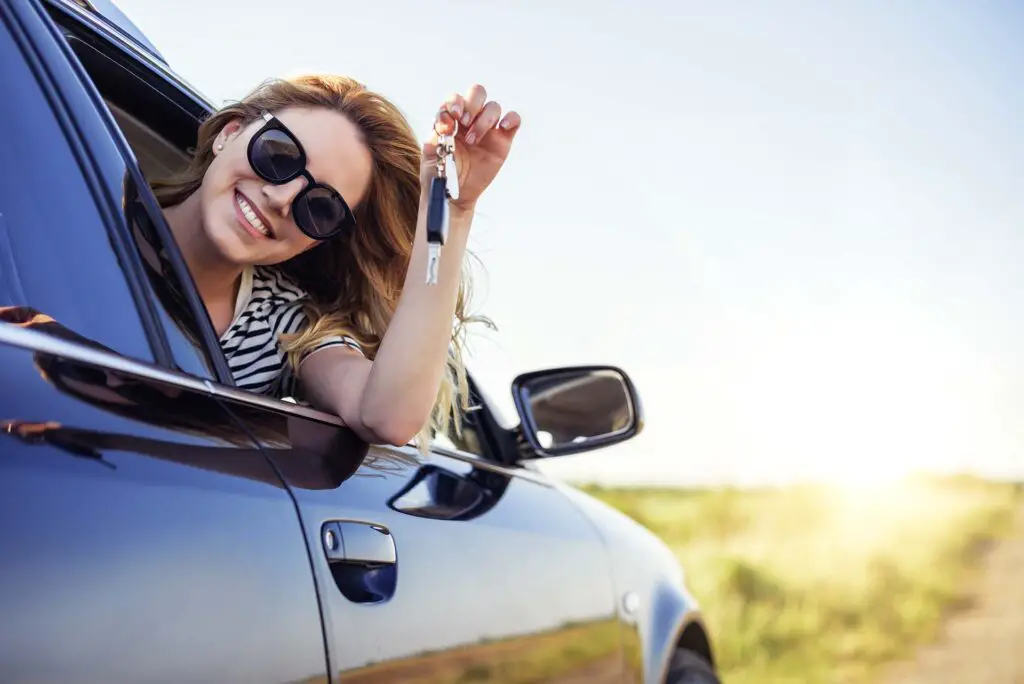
{"x": 358, "y": 543}
{"x": 362, "y": 559}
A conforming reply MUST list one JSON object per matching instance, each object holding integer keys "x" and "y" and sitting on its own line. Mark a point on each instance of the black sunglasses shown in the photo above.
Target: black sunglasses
{"x": 277, "y": 157}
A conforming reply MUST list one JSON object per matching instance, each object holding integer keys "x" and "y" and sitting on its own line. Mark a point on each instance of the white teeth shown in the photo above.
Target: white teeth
{"x": 251, "y": 216}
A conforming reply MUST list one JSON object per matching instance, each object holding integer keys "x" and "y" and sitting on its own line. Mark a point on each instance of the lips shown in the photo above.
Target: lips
{"x": 251, "y": 218}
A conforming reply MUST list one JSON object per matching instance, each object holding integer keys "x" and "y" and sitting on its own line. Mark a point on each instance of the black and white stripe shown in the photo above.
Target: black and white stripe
{"x": 251, "y": 343}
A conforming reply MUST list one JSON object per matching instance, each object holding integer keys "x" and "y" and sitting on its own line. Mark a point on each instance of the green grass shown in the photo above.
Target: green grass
{"x": 815, "y": 584}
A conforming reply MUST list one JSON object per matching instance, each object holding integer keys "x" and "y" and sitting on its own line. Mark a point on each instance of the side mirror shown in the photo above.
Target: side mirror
{"x": 569, "y": 410}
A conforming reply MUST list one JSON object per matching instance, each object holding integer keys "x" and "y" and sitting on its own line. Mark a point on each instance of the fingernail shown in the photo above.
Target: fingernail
{"x": 470, "y": 138}
{"x": 466, "y": 119}
{"x": 457, "y": 110}
{"x": 506, "y": 124}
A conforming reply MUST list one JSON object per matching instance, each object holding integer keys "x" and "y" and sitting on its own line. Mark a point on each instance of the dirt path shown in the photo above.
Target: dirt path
{"x": 984, "y": 644}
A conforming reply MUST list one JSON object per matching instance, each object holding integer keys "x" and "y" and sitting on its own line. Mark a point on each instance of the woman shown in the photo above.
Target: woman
{"x": 302, "y": 221}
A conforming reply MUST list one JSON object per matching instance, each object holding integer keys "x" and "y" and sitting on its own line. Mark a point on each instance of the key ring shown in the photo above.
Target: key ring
{"x": 440, "y": 135}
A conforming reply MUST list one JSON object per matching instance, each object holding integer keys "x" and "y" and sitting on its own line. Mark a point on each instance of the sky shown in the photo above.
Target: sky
{"x": 798, "y": 226}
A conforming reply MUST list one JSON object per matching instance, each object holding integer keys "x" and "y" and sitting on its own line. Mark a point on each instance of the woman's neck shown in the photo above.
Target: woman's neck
{"x": 215, "y": 278}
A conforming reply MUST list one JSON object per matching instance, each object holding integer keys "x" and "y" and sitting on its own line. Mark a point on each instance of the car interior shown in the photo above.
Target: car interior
{"x": 156, "y": 156}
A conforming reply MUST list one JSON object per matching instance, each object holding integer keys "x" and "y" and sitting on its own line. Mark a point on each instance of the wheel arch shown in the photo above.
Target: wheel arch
{"x": 694, "y": 637}
{"x": 675, "y": 622}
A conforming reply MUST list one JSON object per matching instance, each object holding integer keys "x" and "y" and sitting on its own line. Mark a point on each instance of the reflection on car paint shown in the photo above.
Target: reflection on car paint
{"x": 573, "y": 653}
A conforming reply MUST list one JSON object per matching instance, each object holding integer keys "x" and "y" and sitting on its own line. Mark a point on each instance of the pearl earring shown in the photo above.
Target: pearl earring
{"x": 220, "y": 146}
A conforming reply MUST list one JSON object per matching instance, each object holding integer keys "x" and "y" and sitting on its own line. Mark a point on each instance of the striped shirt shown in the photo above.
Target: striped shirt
{"x": 268, "y": 305}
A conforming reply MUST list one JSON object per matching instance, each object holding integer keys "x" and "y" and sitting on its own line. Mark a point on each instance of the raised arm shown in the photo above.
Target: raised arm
{"x": 388, "y": 400}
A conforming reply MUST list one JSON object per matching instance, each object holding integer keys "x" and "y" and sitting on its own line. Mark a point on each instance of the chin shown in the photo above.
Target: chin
{"x": 230, "y": 244}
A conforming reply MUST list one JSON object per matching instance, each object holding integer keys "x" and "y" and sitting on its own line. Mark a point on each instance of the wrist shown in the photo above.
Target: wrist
{"x": 461, "y": 213}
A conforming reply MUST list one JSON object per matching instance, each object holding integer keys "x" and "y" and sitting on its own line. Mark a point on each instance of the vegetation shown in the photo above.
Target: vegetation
{"x": 824, "y": 584}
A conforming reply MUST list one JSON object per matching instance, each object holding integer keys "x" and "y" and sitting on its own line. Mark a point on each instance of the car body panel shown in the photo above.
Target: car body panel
{"x": 644, "y": 567}
{"x": 131, "y": 539}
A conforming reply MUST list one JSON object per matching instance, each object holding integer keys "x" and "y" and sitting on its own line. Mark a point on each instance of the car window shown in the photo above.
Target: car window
{"x": 167, "y": 283}
{"x": 59, "y": 270}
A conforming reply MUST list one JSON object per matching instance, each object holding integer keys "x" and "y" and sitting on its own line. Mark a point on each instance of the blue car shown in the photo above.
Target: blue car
{"x": 161, "y": 525}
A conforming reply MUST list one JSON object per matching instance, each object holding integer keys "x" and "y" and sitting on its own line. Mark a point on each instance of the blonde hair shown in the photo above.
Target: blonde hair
{"x": 353, "y": 282}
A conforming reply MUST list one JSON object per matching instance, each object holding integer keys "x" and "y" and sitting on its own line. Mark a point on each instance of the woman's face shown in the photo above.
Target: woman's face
{"x": 336, "y": 156}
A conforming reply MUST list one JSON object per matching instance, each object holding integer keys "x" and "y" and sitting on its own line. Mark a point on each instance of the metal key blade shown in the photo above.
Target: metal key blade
{"x": 433, "y": 262}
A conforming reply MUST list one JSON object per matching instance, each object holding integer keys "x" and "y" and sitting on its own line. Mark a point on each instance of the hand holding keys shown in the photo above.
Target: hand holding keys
{"x": 484, "y": 143}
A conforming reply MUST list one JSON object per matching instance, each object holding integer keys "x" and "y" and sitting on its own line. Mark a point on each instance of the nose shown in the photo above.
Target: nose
{"x": 280, "y": 197}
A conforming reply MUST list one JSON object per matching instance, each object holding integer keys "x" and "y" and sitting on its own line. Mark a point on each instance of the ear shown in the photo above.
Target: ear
{"x": 228, "y": 133}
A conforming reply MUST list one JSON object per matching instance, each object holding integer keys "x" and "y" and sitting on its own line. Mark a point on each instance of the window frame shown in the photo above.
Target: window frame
{"x": 72, "y": 23}
{"x": 177, "y": 93}
{"x": 80, "y": 124}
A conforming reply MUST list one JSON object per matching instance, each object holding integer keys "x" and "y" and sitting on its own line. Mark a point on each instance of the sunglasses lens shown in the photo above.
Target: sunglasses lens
{"x": 321, "y": 213}
{"x": 275, "y": 156}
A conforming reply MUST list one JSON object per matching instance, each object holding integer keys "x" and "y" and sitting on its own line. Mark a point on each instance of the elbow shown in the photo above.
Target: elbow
{"x": 388, "y": 428}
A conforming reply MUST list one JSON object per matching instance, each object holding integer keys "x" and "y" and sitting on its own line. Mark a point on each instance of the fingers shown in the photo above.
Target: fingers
{"x": 453, "y": 109}
{"x": 476, "y": 116}
{"x": 511, "y": 122}
{"x": 486, "y": 120}
{"x": 475, "y": 99}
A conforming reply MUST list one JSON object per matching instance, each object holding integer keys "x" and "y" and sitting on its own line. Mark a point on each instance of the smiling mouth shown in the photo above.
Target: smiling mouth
{"x": 252, "y": 216}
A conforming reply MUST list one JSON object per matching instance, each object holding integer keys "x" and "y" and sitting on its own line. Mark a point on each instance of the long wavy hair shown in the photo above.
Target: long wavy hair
{"x": 353, "y": 282}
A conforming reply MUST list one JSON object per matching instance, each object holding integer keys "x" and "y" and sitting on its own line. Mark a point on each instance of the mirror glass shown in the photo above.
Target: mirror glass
{"x": 569, "y": 410}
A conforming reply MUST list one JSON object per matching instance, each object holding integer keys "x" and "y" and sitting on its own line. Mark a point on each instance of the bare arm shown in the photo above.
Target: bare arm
{"x": 389, "y": 399}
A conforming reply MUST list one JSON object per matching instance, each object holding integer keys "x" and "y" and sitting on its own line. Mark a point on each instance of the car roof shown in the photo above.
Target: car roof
{"x": 114, "y": 18}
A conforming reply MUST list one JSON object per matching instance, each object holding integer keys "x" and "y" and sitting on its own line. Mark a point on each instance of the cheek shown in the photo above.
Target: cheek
{"x": 226, "y": 171}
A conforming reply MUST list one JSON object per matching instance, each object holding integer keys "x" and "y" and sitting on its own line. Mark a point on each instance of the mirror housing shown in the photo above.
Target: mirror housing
{"x": 575, "y": 409}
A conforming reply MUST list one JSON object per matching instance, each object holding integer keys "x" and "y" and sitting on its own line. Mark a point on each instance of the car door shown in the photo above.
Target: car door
{"x": 144, "y": 535}
{"x": 444, "y": 567}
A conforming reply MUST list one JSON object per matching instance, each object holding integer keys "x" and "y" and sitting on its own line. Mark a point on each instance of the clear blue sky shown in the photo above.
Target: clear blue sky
{"x": 799, "y": 226}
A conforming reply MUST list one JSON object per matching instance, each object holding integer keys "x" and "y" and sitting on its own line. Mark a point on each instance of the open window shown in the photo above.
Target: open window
{"x": 158, "y": 122}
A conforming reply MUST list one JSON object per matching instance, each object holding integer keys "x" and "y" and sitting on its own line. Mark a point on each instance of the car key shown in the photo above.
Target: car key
{"x": 443, "y": 186}
{"x": 437, "y": 226}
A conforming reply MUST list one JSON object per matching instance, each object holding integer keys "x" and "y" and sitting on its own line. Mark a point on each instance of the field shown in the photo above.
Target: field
{"x": 818, "y": 584}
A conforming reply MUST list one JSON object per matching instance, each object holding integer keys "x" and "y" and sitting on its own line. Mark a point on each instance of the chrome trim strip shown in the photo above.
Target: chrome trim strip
{"x": 480, "y": 462}
{"x": 36, "y": 341}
